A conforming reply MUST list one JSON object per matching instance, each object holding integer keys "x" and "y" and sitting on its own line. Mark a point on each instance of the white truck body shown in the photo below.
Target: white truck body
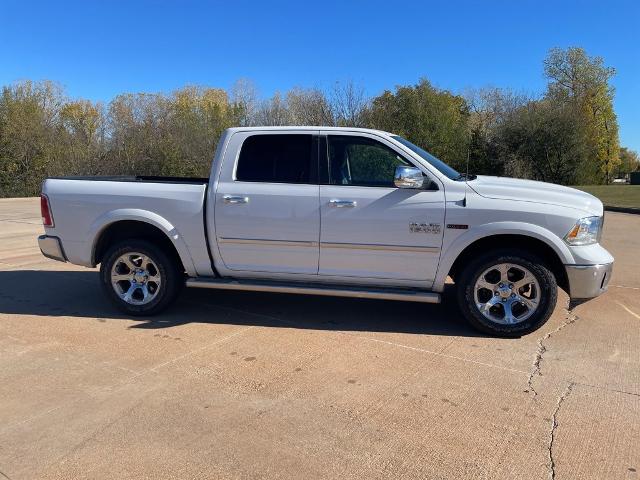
{"x": 324, "y": 233}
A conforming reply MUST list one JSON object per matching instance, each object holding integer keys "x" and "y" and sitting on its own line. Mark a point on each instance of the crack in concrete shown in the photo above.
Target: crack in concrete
{"x": 5, "y": 475}
{"x": 536, "y": 369}
{"x": 554, "y": 427}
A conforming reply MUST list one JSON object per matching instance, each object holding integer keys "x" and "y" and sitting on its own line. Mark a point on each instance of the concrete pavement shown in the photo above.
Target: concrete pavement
{"x": 247, "y": 385}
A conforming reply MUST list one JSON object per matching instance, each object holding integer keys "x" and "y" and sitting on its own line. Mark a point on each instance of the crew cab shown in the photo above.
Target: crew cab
{"x": 333, "y": 211}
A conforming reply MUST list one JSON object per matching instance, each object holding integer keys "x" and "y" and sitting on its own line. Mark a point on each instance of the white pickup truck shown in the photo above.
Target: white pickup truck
{"x": 333, "y": 211}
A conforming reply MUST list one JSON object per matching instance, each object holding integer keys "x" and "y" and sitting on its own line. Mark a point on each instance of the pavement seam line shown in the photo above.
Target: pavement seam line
{"x": 536, "y": 369}
{"x": 624, "y": 286}
{"x": 205, "y": 347}
{"x": 20, "y": 221}
{"x": 127, "y": 381}
{"x": 554, "y": 427}
{"x": 391, "y": 391}
{"x": 607, "y": 389}
{"x": 629, "y": 310}
{"x": 39, "y": 415}
{"x": 431, "y": 352}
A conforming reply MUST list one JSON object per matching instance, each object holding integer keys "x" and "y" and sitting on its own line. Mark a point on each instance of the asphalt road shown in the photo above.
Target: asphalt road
{"x": 244, "y": 385}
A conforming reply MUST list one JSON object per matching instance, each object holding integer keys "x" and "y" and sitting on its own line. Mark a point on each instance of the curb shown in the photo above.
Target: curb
{"x": 632, "y": 210}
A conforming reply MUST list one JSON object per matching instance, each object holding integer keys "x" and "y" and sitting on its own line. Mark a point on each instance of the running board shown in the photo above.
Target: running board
{"x": 330, "y": 291}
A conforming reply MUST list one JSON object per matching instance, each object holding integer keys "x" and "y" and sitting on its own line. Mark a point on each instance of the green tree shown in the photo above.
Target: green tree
{"x": 156, "y": 134}
{"x": 309, "y": 107}
{"x": 583, "y": 81}
{"x": 29, "y": 115}
{"x": 432, "y": 118}
{"x": 490, "y": 109}
{"x": 542, "y": 140}
{"x": 570, "y": 135}
{"x": 81, "y": 135}
{"x": 196, "y": 118}
{"x": 243, "y": 102}
{"x": 273, "y": 112}
{"x": 629, "y": 161}
{"x": 349, "y": 105}
{"x": 137, "y": 128}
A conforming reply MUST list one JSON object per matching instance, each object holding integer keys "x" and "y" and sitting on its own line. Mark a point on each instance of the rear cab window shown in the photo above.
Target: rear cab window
{"x": 278, "y": 158}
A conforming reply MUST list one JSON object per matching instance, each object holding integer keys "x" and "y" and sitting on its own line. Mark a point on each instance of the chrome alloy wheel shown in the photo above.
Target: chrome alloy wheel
{"x": 507, "y": 293}
{"x": 135, "y": 278}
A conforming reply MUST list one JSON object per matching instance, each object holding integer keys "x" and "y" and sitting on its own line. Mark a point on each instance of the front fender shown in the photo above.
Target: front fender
{"x": 146, "y": 216}
{"x": 474, "y": 234}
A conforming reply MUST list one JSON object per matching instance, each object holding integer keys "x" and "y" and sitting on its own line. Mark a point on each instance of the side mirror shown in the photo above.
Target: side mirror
{"x": 408, "y": 177}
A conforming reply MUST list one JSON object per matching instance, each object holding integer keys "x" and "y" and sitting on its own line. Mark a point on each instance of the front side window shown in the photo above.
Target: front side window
{"x": 276, "y": 159}
{"x": 361, "y": 161}
{"x": 435, "y": 162}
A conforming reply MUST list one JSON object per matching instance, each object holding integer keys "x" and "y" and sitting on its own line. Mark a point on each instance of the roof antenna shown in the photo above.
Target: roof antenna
{"x": 466, "y": 175}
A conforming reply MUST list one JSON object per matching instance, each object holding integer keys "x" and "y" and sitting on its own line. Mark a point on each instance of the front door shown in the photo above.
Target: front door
{"x": 370, "y": 228}
{"x": 267, "y": 207}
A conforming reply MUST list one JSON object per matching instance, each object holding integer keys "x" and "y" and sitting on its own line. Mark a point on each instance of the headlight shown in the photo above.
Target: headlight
{"x": 586, "y": 231}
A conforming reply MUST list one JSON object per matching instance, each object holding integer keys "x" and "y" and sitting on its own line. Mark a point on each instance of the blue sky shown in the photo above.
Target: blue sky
{"x": 99, "y": 49}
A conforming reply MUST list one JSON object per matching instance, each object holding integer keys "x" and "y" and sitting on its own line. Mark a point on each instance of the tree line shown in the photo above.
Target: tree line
{"x": 567, "y": 135}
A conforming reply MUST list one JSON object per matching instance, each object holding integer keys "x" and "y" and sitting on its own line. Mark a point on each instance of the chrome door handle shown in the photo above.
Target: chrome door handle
{"x": 234, "y": 200}
{"x": 342, "y": 203}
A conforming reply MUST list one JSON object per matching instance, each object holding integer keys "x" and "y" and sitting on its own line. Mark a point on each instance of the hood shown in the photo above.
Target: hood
{"x": 538, "y": 192}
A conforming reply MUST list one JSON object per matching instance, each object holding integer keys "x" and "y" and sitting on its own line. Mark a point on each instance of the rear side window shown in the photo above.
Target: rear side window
{"x": 277, "y": 159}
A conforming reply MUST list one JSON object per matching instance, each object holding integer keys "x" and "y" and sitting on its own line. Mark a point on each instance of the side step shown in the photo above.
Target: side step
{"x": 405, "y": 295}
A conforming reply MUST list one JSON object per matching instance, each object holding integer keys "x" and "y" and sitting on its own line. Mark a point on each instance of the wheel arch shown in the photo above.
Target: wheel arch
{"x": 541, "y": 243}
{"x": 122, "y": 225}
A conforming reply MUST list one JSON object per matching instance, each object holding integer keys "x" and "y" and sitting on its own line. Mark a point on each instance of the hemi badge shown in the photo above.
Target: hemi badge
{"x": 456, "y": 226}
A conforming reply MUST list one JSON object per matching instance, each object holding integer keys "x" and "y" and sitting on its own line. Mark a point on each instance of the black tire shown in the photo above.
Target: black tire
{"x": 170, "y": 275}
{"x": 548, "y": 295}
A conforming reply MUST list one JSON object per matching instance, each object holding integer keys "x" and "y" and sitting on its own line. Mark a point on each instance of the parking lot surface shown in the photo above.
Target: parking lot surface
{"x": 247, "y": 385}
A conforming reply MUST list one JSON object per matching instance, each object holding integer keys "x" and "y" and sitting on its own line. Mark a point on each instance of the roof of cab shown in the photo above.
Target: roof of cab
{"x": 310, "y": 128}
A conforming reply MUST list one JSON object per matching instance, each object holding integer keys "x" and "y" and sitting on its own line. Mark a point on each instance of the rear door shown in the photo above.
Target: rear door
{"x": 267, "y": 215}
{"x": 370, "y": 228}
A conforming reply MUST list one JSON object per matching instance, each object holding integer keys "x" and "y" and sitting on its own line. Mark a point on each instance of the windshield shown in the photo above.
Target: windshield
{"x": 436, "y": 162}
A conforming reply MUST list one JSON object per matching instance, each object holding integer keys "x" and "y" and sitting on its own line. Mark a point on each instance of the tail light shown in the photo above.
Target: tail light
{"x": 45, "y": 210}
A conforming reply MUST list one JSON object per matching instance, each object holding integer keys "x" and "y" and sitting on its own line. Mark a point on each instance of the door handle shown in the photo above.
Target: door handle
{"x": 235, "y": 200}
{"x": 342, "y": 203}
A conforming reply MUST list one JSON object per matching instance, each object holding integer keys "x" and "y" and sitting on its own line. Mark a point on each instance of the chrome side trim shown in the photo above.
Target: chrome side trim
{"x": 373, "y": 246}
{"x": 332, "y": 291}
{"x": 263, "y": 241}
{"x": 303, "y": 243}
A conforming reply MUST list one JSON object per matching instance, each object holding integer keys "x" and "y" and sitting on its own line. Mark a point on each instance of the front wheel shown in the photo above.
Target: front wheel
{"x": 507, "y": 293}
{"x": 140, "y": 278}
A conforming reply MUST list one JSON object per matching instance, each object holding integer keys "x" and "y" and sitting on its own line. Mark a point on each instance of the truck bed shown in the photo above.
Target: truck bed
{"x": 83, "y": 207}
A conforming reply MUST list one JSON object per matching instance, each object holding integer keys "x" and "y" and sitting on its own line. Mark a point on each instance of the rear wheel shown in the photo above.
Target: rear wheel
{"x": 140, "y": 278}
{"x": 507, "y": 293}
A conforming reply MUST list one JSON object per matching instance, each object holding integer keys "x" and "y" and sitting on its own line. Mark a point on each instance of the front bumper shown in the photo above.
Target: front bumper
{"x": 588, "y": 281}
{"x": 51, "y": 248}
